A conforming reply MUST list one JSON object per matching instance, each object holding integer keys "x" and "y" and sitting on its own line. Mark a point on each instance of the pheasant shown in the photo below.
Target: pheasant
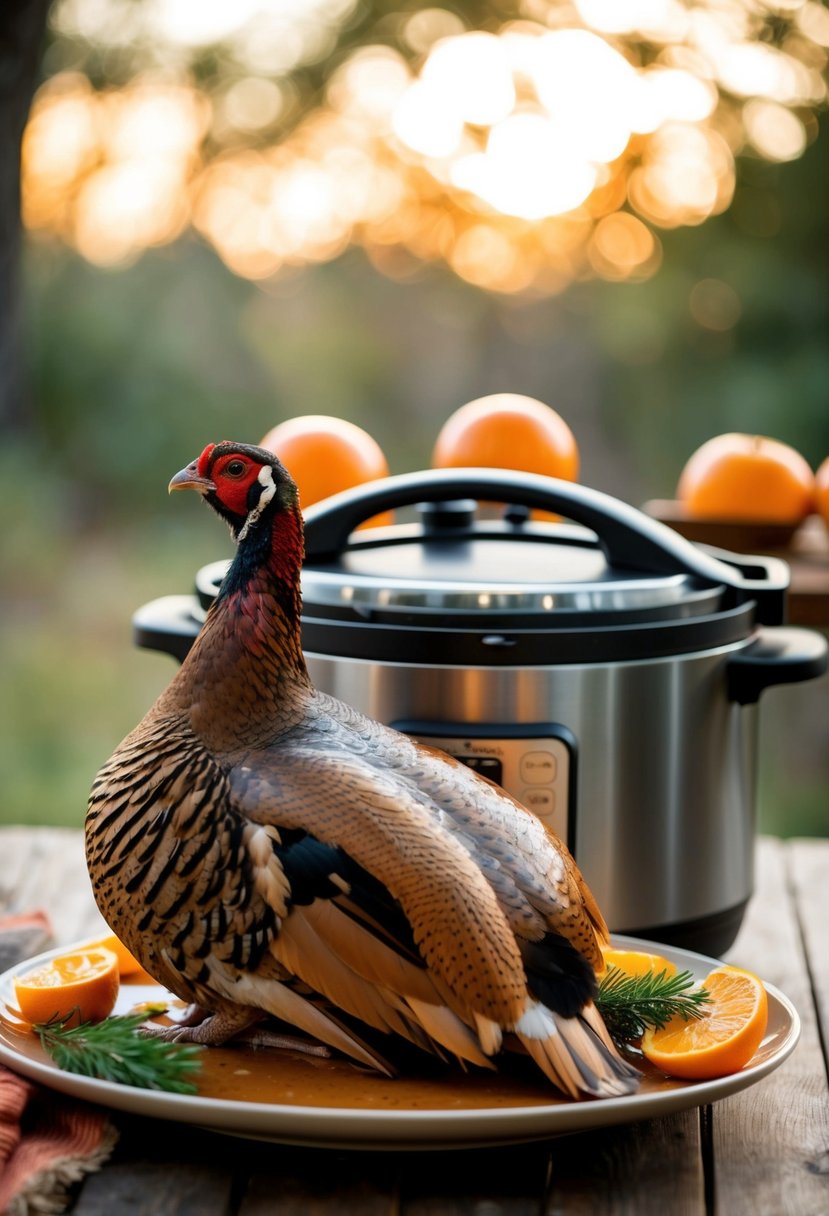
{"x": 267, "y": 851}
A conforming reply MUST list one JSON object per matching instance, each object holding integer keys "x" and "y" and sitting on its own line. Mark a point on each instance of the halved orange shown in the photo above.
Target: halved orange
{"x": 128, "y": 964}
{"x": 84, "y": 985}
{"x": 637, "y": 962}
{"x": 723, "y": 1039}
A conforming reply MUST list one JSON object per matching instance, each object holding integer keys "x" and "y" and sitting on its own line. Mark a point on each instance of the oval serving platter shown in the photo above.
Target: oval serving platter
{"x": 290, "y": 1098}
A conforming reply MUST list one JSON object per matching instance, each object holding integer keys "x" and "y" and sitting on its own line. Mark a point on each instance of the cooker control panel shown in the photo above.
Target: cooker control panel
{"x": 534, "y": 763}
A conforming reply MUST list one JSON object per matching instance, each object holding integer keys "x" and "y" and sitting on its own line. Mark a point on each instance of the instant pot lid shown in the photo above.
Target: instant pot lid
{"x": 460, "y": 588}
{"x": 490, "y": 568}
{"x": 484, "y": 574}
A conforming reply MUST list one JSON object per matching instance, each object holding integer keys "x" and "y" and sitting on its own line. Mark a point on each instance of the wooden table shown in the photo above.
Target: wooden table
{"x": 762, "y": 1152}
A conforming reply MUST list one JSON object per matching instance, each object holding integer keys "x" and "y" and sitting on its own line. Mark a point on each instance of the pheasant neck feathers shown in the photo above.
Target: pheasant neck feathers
{"x": 245, "y": 680}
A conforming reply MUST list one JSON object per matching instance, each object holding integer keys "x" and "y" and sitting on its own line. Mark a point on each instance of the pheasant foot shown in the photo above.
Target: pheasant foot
{"x": 204, "y": 1028}
{"x": 199, "y": 1025}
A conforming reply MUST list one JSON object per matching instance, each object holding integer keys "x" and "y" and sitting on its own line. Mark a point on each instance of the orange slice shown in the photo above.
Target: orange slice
{"x": 128, "y": 964}
{"x": 637, "y": 962}
{"x": 720, "y": 1042}
{"x": 83, "y": 985}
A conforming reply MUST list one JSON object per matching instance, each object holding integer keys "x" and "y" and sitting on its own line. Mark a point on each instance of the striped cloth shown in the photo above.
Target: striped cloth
{"x": 47, "y": 1141}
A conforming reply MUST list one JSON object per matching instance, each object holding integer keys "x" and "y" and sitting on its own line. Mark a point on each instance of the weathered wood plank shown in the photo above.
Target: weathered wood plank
{"x": 809, "y": 878}
{"x": 770, "y": 1141}
{"x": 313, "y": 1182}
{"x": 162, "y": 1169}
{"x": 495, "y": 1182}
{"x": 642, "y": 1169}
{"x": 46, "y": 868}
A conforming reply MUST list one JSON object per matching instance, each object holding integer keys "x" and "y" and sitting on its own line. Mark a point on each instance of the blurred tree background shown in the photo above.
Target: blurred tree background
{"x": 151, "y": 324}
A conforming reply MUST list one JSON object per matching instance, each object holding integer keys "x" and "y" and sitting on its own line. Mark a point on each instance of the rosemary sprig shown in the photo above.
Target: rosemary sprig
{"x": 630, "y": 1004}
{"x": 112, "y": 1050}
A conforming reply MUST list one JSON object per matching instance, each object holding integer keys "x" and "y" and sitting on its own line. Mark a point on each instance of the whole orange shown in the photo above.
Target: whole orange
{"x": 747, "y": 478}
{"x": 822, "y": 491}
{"x": 508, "y": 431}
{"x": 325, "y": 455}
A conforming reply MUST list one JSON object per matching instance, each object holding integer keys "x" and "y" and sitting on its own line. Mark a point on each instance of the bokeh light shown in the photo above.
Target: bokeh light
{"x": 552, "y": 148}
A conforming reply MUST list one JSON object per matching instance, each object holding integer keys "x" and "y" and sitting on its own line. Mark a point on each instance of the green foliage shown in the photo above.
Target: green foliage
{"x": 676, "y": 383}
{"x": 114, "y": 1050}
{"x": 129, "y": 371}
{"x": 632, "y": 1004}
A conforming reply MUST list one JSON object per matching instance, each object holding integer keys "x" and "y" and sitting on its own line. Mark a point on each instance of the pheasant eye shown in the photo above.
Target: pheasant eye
{"x": 235, "y": 468}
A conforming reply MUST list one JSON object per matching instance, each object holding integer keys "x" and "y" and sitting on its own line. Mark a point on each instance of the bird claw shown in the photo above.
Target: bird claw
{"x": 203, "y": 1028}
{"x": 212, "y": 1029}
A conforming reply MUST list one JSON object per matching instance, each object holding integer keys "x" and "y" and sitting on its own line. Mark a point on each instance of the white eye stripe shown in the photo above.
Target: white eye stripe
{"x": 265, "y": 479}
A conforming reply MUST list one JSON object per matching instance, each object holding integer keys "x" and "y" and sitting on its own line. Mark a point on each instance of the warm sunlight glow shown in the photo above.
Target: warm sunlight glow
{"x": 524, "y": 158}
{"x": 775, "y": 132}
{"x": 622, "y": 247}
{"x": 110, "y": 171}
{"x": 425, "y": 124}
{"x": 589, "y": 91}
{"x": 527, "y": 169}
{"x": 472, "y": 77}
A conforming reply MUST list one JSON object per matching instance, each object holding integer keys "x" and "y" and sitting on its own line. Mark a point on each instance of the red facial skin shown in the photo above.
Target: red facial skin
{"x": 232, "y": 474}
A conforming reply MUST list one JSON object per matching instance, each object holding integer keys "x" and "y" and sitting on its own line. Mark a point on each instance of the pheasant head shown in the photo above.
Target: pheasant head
{"x": 241, "y": 482}
{"x": 254, "y": 622}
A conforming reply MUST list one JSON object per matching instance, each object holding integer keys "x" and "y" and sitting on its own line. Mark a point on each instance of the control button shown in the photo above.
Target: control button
{"x": 538, "y": 768}
{"x": 487, "y": 766}
{"x": 540, "y": 800}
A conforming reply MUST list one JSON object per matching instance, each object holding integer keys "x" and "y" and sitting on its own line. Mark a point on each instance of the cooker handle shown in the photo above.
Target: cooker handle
{"x": 628, "y": 537}
{"x": 776, "y": 656}
{"x": 169, "y": 624}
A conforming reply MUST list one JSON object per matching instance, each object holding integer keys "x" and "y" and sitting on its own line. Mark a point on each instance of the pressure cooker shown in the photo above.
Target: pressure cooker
{"x": 598, "y": 666}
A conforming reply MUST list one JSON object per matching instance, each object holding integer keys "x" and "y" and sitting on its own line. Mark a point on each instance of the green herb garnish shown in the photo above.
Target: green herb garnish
{"x": 113, "y": 1050}
{"x": 632, "y": 1004}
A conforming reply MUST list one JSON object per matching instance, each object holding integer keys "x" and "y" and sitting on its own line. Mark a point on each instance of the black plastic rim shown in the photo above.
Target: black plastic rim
{"x": 438, "y": 646}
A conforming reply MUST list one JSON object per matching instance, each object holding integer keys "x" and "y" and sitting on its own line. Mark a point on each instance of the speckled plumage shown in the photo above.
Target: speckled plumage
{"x": 264, "y": 848}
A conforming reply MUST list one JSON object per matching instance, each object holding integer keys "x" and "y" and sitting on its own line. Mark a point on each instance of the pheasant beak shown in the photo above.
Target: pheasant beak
{"x": 190, "y": 479}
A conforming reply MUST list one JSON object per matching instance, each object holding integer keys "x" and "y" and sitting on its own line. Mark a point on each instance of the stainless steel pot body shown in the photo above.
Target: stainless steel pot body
{"x": 660, "y": 790}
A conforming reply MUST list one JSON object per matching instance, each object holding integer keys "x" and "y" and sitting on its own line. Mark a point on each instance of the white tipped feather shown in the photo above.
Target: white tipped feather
{"x": 536, "y": 1022}
{"x": 576, "y": 1053}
